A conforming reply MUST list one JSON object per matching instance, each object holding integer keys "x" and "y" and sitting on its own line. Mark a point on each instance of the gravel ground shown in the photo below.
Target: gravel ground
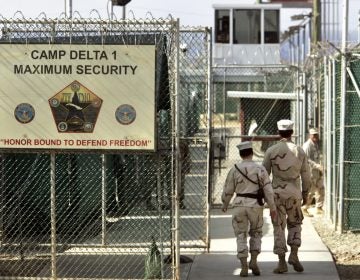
{"x": 345, "y": 248}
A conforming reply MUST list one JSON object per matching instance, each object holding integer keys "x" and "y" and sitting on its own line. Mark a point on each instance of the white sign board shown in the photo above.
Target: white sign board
{"x": 77, "y": 97}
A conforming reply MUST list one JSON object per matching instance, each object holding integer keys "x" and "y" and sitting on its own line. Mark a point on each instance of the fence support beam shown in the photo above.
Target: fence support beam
{"x": 53, "y": 215}
{"x": 342, "y": 112}
{"x": 353, "y": 80}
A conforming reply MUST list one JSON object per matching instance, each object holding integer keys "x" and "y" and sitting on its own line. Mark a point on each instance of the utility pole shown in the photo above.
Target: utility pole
{"x": 68, "y": 5}
{"x": 121, "y": 3}
{"x": 316, "y": 24}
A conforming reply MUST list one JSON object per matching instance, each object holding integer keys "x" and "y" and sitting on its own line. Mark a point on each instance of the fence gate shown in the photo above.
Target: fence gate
{"x": 248, "y": 101}
{"x": 97, "y": 141}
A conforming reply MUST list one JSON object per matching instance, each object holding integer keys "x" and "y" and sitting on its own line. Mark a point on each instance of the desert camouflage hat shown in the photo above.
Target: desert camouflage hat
{"x": 244, "y": 145}
{"x": 285, "y": 125}
{"x": 313, "y": 131}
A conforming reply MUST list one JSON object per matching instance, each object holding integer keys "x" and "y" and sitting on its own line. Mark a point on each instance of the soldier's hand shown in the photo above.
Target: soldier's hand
{"x": 304, "y": 198}
{"x": 273, "y": 214}
{"x": 224, "y": 209}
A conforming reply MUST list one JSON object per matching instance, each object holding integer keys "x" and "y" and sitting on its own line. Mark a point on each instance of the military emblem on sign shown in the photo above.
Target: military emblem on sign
{"x": 24, "y": 113}
{"x": 75, "y": 109}
{"x": 125, "y": 114}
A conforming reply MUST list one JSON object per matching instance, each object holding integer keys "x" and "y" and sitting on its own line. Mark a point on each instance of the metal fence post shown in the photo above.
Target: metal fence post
{"x": 53, "y": 215}
{"x": 177, "y": 151}
{"x": 342, "y": 114}
{"x": 103, "y": 199}
{"x": 210, "y": 100}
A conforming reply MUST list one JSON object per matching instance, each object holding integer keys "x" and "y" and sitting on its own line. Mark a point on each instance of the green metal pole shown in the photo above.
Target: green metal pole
{"x": 316, "y": 24}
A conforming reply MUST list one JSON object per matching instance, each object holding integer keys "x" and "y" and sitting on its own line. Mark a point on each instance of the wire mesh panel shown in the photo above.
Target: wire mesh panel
{"x": 341, "y": 108}
{"x": 111, "y": 215}
{"x": 25, "y": 218}
{"x": 349, "y": 191}
{"x": 194, "y": 75}
{"x": 352, "y": 152}
{"x": 102, "y": 230}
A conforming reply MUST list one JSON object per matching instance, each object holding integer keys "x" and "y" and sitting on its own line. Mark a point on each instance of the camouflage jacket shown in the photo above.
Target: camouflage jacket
{"x": 290, "y": 171}
{"x": 312, "y": 152}
{"x": 236, "y": 183}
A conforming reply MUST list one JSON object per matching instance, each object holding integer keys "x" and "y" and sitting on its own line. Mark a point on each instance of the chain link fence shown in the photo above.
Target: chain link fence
{"x": 120, "y": 214}
{"x": 339, "y": 116}
{"x": 194, "y": 65}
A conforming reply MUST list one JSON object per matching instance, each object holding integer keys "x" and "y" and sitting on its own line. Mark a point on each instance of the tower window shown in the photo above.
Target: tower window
{"x": 222, "y": 26}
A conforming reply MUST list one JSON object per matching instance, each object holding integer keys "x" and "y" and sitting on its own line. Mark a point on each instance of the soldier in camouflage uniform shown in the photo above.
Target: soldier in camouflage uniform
{"x": 244, "y": 180}
{"x": 311, "y": 149}
{"x": 289, "y": 167}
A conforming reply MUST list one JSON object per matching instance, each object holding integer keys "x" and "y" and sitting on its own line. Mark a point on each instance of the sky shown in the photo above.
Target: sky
{"x": 190, "y": 12}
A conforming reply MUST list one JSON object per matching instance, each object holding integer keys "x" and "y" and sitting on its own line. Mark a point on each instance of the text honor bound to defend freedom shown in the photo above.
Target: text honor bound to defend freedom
{"x": 77, "y": 143}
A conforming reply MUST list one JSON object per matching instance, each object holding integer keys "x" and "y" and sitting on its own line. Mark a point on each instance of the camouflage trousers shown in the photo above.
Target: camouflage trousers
{"x": 317, "y": 191}
{"x": 247, "y": 220}
{"x": 289, "y": 215}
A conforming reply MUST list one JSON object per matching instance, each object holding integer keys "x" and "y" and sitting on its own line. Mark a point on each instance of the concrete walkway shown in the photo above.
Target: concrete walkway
{"x": 221, "y": 262}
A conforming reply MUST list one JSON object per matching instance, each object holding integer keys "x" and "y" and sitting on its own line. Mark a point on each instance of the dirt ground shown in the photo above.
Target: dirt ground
{"x": 345, "y": 248}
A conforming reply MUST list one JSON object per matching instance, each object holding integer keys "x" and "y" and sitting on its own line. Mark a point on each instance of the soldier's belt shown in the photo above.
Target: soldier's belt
{"x": 251, "y": 195}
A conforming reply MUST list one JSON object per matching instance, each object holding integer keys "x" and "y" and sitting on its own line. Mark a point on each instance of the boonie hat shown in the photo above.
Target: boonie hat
{"x": 244, "y": 145}
{"x": 285, "y": 125}
{"x": 313, "y": 131}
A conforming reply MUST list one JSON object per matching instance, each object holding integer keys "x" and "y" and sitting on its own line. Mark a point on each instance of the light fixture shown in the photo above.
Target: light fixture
{"x": 120, "y": 2}
{"x": 301, "y": 16}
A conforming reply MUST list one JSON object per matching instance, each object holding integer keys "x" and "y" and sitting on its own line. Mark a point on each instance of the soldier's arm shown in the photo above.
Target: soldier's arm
{"x": 268, "y": 190}
{"x": 267, "y": 162}
{"x": 269, "y": 195}
{"x": 228, "y": 189}
{"x": 312, "y": 164}
{"x": 305, "y": 176}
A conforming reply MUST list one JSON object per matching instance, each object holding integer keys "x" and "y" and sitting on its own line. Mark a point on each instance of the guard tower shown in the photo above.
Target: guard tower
{"x": 247, "y": 34}
{"x": 252, "y": 84}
